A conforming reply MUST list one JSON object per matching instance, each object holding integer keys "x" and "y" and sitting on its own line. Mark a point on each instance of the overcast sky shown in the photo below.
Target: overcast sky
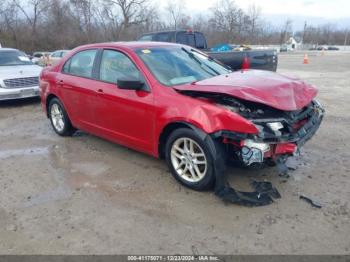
{"x": 330, "y": 9}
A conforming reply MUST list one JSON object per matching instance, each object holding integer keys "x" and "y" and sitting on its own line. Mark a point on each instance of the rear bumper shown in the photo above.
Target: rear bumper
{"x": 18, "y": 93}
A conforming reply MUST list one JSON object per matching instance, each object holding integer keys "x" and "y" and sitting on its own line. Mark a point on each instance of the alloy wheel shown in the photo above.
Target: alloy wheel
{"x": 57, "y": 117}
{"x": 188, "y": 159}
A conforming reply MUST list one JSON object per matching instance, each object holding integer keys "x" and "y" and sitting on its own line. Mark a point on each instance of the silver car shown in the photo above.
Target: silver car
{"x": 19, "y": 77}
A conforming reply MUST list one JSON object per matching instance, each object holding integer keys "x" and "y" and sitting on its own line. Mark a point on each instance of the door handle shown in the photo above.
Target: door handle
{"x": 59, "y": 82}
{"x": 100, "y": 91}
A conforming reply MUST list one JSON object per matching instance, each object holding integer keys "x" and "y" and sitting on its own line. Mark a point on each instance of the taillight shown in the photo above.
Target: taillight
{"x": 246, "y": 63}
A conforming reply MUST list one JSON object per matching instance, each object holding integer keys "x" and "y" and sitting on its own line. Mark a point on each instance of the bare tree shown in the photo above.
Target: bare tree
{"x": 226, "y": 18}
{"x": 58, "y": 24}
{"x": 126, "y": 13}
{"x": 286, "y": 31}
{"x": 254, "y": 16}
{"x": 10, "y": 22}
{"x": 175, "y": 9}
{"x": 84, "y": 12}
{"x": 32, "y": 12}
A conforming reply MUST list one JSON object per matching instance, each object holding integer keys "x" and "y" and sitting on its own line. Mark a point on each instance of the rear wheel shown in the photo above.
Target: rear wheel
{"x": 59, "y": 118}
{"x": 190, "y": 159}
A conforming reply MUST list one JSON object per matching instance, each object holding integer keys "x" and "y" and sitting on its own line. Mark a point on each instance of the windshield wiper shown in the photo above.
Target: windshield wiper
{"x": 192, "y": 56}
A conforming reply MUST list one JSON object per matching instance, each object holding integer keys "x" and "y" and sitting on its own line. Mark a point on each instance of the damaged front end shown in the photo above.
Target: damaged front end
{"x": 281, "y": 133}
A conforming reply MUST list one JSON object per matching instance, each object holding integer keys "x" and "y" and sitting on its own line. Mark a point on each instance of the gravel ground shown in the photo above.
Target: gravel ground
{"x": 86, "y": 195}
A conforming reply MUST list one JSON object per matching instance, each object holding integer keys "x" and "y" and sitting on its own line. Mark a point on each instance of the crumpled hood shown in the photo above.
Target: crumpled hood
{"x": 269, "y": 88}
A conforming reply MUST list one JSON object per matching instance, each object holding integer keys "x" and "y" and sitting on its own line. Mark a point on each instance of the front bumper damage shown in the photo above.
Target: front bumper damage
{"x": 269, "y": 143}
{"x": 274, "y": 143}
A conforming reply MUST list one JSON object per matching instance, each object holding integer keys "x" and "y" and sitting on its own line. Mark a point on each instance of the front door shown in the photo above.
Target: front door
{"x": 126, "y": 116}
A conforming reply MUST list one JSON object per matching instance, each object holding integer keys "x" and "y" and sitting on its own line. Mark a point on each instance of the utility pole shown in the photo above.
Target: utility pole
{"x": 346, "y": 38}
{"x": 304, "y": 32}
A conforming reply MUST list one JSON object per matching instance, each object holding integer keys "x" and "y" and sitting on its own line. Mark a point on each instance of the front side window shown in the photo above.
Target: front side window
{"x": 115, "y": 65}
{"x": 81, "y": 64}
{"x": 14, "y": 58}
{"x": 179, "y": 65}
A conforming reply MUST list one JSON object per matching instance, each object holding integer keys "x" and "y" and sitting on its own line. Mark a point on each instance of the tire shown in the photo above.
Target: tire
{"x": 204, "y": 176}
{"x": 61, "y": 123}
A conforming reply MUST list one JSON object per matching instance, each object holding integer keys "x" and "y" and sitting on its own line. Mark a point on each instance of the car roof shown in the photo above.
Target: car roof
{"x": 131, "y": 45}
{"x": 172, "y": 31}
{"x": 8, "y": 49}
{"x": 63, "y": 50}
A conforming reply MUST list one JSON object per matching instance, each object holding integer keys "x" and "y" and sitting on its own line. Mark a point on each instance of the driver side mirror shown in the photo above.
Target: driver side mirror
{"x": 130, "y": 84}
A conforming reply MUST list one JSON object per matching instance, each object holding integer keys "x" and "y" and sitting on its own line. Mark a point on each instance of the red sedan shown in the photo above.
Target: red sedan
{"x": 174, "y": 102}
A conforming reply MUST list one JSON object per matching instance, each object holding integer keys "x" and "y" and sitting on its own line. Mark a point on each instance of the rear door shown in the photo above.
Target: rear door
{"x": 79, "y": 88}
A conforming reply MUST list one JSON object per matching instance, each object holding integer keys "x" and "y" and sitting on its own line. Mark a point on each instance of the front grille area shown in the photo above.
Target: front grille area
{"x": 21, "y": 82}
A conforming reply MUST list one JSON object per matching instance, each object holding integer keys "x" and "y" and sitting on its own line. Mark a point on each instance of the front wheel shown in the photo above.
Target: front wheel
{"x": 59, "y": 118}
{"x": 190, "y": 160}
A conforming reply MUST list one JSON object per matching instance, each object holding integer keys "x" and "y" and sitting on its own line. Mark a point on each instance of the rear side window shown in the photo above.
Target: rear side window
{"x": 162, "y": 37}
{"x": 146, "y": 38}
{"x": 200, "y": 41}
{"x": 186, "y": 39}
{"x": 81, "y": 64}
{"x": 115, "y": 65}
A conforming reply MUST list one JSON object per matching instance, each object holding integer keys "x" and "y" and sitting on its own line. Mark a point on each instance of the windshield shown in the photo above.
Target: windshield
{"x": 179, "y": 65}
{"x": 13, "y": 58}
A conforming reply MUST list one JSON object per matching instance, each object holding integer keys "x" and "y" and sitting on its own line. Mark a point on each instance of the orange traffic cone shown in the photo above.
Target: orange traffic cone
{"x": 306, "y": 59}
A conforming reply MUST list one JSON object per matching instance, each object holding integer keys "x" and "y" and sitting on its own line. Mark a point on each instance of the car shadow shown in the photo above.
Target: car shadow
{"x": 19, "y": 102}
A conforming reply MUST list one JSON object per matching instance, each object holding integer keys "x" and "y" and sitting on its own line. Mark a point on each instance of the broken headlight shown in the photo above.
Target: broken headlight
{"x": 253, "y": 152}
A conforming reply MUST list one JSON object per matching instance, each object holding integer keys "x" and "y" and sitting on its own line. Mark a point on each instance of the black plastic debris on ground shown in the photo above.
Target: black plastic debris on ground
{"x": 263, "y": 195}
{"x": 310, "y": 201}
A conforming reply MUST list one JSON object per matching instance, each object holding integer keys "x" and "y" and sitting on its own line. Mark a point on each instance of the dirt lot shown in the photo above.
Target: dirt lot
{"x": 86, "y": 195}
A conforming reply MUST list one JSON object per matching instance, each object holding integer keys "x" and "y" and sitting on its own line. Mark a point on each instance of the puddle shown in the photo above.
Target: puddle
{"x": 90, "y": 168}
{"x": 59, "y": 193}
{"x": 24, "y": 152}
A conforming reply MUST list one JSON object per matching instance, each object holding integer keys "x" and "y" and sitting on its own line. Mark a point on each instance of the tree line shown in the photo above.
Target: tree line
{"x": 33, "y": 25}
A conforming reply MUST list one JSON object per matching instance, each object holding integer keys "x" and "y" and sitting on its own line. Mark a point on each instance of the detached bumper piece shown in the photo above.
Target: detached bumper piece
{"x": 278, "y": 139}
{"x": 263, "y": 195}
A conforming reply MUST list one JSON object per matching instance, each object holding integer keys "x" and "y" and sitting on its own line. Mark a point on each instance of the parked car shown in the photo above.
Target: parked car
{"x": 236, "y": 59}
{"x": 36, "y": 58}
{"x": 285, "y": 48}
{"x": 320, "y": 48}
{"x": 56, "y": 56}
{"x": 333, "y": 48}
{"x": 19, "y": 77}
{"x": 174, "y": 102}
